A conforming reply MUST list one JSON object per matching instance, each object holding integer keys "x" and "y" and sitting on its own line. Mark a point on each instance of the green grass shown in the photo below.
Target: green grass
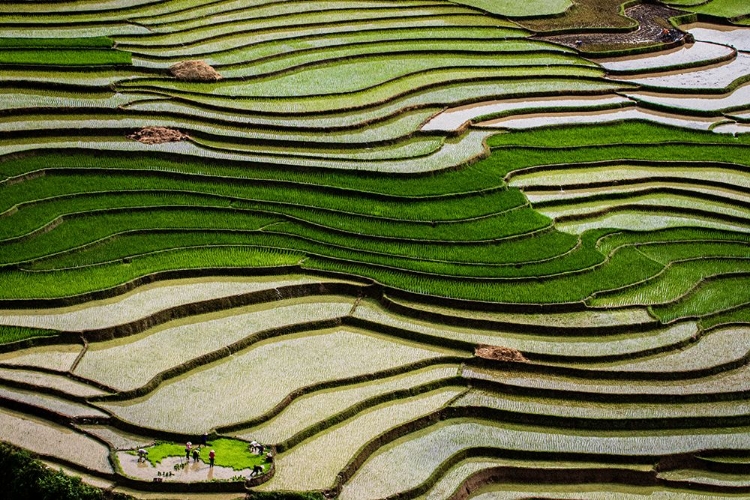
{"x": 15, "y": 333}
{"x": 229, "y": 453}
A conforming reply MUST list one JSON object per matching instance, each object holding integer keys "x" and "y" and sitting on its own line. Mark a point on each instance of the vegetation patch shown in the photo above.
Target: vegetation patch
{"x": 229, "y": 453}
{"x": 16, "y": 333}
{"x": 25, "y": 477}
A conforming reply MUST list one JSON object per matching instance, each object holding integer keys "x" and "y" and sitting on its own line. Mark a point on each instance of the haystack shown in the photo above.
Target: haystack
{"x": 157, "y": 135}
{"x": 499, "y": 353}
{"x": 194, "y": 71}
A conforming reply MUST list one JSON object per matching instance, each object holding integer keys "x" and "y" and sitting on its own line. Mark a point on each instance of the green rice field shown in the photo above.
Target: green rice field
{"x": 367, "y": 249}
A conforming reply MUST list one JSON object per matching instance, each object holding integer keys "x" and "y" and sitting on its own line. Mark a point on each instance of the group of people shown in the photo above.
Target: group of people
{"x": 258, "y": 449}
{"x": 197, "y": 452}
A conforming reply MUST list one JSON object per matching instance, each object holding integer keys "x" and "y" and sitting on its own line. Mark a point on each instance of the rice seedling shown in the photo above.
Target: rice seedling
{"x": 550, "y": 344}
{"x": 725, "y": 346}
{"x": 101, "y": 42}
{"x": 725, "y": 77}
{"x": 635, "y": 133}
{"x": 624, "y": 267}
{"x": 736, "y": 38}
{"x": 586, "y": 492}
{"x": 321, "y": 405}
{"x": 51, "y": 403}
{"x": 521, "y": 9}
{"x": 118, "y": 440}
{"x": 303, "y": 467}
{"x": 732, "y": 316}
{"x": 591, "y": 318}
{"x": 56, "y": 358}
{"x": 64, "y": 57}
{"x": 52, "y": 440}
{"x": 82, "y": 280}
{"x": 454, "y": 119}
{"x": 707, "y": 478}
{"x": 708, "y": 297}
{"x": 423, "y": 451}
{"x": 208, "y": 38}
{"x": 47, "y": 380}
{"x": 698, "y": 54}
{"x": 254, "y": 381}
{"x": 644, "y": 221}
{"x": 119, "y": 363}
{"x": 738, "y": 99}
{"x": 675, "y": 282}
{"x": 601, "y": 411}
{"x": 452, "y": 479}
{"x": 569, "y": 178}
{"x": 15, "y": 333}
{"x": 725, "y": 383}
{"x": 147, "y": 300}
{"x": 722, "y": 8}
{"x": 595, "y": 116}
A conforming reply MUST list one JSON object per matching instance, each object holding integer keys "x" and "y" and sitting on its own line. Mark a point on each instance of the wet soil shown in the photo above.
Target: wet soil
{"x": 652, "y": 21}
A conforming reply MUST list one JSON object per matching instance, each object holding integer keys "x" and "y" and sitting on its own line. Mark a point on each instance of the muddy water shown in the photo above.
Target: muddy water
{"x": 696, "y": 53}
{"x": 191, "y": 473}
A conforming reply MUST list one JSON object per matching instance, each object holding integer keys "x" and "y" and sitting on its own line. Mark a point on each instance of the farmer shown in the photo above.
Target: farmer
{"x": 257, "y": 470}
{"x": 211, "y": 457}
{"x": 253, "y": 446}
{"x": 204, "y": 439}
{"x": 188, "y": 445}
{"x": 196, "y": 455}
{"x": 142, "y": 454}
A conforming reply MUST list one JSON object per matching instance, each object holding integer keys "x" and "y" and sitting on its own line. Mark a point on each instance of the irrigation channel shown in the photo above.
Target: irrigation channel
{"x": 416, "y": 249}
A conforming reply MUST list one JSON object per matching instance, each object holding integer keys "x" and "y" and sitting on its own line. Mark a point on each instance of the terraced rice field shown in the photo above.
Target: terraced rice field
{"x": 361, "y": 194}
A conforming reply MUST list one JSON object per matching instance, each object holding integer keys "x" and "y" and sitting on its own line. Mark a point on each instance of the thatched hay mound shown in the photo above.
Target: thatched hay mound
{"x": 194, "y": 71}
{"x": 157, "y": 135}
{"x": 499, "y": 353}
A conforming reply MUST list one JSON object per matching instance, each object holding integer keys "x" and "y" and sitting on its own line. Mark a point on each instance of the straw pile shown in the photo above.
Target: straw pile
{"x": 157, "y": 135}
{"x": 194, "y": 71}
{"x": 499, "y": 353}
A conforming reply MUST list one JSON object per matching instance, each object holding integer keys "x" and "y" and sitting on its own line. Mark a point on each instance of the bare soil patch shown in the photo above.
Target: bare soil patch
{"x": 157, "y": 135}
{"x": 653, "y": 28}
{"x": 194, "y": 71}
{"x": 499, "y": 353}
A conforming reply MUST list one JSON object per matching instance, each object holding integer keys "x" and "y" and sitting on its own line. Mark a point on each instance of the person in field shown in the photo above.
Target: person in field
{"x": 211, "y": 458}
{"x": 188, "y": 445}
